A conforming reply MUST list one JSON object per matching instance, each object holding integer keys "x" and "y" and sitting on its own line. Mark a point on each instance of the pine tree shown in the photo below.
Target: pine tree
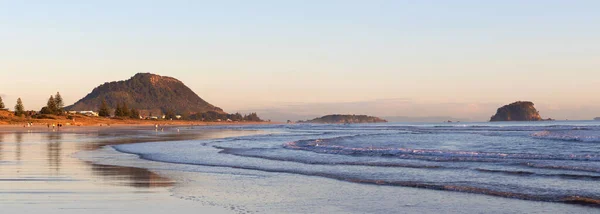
{"x": 125, "y": 110}
{"x": 134, "y": 113}
{"x": 51, "y": 106}
{"x": 2, "y": 104}
{"x": 60, "y": 105}
{"x": 118, "y": 111}
{"x": 104, "y": 111}
{"x": 19, "y": 108}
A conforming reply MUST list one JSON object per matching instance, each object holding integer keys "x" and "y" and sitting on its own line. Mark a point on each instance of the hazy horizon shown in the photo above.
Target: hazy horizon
{"x": 460, "y": 59}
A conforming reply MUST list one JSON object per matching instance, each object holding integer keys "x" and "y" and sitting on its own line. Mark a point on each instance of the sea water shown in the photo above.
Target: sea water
{"x": 556, "y": 162}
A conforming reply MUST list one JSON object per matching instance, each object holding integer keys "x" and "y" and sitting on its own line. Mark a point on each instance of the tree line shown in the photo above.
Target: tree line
{"x": 215, "y": 116}
{"x": 122, "y": 111}
{"x": 55, "y": 105}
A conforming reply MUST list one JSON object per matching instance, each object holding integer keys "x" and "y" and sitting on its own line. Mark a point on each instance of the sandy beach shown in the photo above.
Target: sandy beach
{"x": 38, "y": 173}
{"x": 72, "y": 171}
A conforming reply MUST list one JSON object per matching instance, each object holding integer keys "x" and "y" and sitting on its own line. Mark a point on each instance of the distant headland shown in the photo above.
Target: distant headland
{"x": 144, "y": 96}
{"x": 347, "y": 118}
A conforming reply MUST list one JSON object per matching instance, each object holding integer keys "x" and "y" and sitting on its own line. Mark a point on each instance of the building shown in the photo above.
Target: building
{"x": 86, "y": 113}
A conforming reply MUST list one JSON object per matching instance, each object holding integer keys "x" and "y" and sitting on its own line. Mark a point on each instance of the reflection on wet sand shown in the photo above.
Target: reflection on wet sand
{"x": 39, "y": 171}
{"x": 1, "y": 143}
{"x": 139, "y": 177}
{"x": 130, "y": 176}
{"x": 53, "y": 150}
{"x": 20, "y": 151}
{"x": 19, "y": 140}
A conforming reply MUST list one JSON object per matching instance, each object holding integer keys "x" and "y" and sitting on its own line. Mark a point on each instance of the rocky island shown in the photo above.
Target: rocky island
{"x": 597, "y": 118}
{"x": 517, "y": 111}
{"x": 339, "y": 119}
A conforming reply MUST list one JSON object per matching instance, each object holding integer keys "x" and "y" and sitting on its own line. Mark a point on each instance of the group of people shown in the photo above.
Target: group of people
{"x": 156, "y": 126}
{"x": 54, "y": 126}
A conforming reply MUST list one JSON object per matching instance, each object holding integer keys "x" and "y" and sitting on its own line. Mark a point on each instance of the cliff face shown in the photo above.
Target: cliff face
{"x": 146, "y": 92}
{"x": 337, "y": 118}
{"x": 517, "y": 111}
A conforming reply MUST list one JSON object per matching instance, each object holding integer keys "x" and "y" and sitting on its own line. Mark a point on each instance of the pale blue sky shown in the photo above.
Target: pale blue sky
{"x": 242, "y": 55}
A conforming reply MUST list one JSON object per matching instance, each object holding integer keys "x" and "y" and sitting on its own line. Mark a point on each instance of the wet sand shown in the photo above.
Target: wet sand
{"x": 42, "y": 171}
{"x": 38, "y": 173}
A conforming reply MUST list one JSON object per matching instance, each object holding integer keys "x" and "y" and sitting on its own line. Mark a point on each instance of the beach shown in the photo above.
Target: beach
{"x": 38, "y": 174}
{"x": 78, "y": 169}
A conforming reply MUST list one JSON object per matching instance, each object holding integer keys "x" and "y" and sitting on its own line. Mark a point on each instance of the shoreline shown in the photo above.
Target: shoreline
{"x": 224, "y": 186}
{"x": 43, "y": 128}
{"x": 194, "y": 188}
{"x": 40, "y": 173}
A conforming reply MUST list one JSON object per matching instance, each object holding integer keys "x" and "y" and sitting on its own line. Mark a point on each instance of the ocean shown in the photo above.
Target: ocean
{"x": 555, "y": 162}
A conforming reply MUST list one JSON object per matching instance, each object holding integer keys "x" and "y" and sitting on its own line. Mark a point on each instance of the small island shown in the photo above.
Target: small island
{"x": 517, "y": 111}
{"x": 347, "y": 118}
{"x": 597, "y": 118}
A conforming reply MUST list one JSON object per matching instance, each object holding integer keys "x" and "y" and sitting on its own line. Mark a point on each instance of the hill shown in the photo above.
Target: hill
{"x": 149, "y": 93}
{"x": 338, "y": 118}
{"x": 517, "y": 111}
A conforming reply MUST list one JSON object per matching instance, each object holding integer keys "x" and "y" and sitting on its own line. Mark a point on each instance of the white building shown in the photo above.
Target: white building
{"x": 88, "y": 113}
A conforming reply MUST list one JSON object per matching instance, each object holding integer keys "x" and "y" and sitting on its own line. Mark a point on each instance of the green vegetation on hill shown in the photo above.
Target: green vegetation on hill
{"x": 338, "y": 118}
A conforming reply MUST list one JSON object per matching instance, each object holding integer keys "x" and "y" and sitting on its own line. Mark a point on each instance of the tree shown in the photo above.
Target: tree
{"x": 51, "y": 107}
{"x": 170, "y": 114}
{"x": 118, "y": 111}
{"x": 60, "y": 105}
{"x": 19, "y": 108}
{"x": 2, "y": 104}
{"x": 252, "y": 117}
{"x": 134, "y": 114}
{"x": 125, "y": 110}
{"x": 104, "y": 111}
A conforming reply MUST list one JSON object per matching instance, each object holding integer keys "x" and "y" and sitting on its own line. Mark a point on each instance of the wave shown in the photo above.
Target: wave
{"x": 561, "y": 167}
{"x": 528, "y": 173}
{"x": 456, "y": 187}
{"x": 245, "y": 153}
{"x": 575, "y": 135}
{"x": 323, "y": 146}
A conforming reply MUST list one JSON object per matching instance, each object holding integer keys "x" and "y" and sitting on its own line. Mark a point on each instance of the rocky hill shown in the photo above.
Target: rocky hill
{"x": 517, "y": 111}
{"x": 147, "y": 92}
{"x": 338, "y": 118}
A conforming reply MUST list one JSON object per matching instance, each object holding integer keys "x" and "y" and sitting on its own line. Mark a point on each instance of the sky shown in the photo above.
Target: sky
{"x": 460, "y": 59}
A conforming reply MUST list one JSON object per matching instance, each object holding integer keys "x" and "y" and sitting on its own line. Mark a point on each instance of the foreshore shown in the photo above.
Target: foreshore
{"x": 39, "y": 173}
{"x": 47, "y": 126}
